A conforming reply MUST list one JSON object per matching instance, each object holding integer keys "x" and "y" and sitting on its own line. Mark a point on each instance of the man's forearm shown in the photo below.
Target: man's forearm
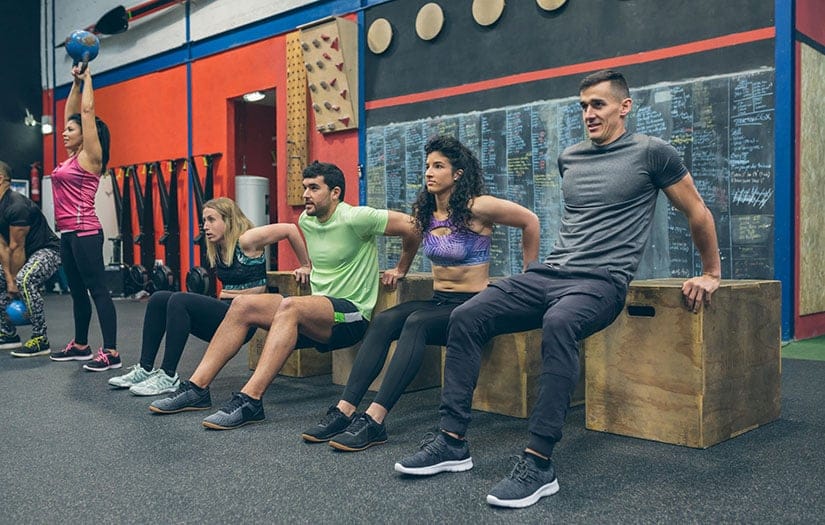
{"x": 17, "y": 258}
{"x": 703, "y": 232}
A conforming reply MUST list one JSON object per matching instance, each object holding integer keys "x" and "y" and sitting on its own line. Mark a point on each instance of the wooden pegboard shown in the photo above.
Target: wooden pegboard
{"x": 330, "y": 50}
{"x": 296, "y": 119}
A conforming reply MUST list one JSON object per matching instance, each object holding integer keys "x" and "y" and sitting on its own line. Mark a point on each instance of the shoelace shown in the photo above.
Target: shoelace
{"x": 522, "y": 470}
{"x": 184, "y": 387}
{"x": 331, "y": 415}
{"x": 430, "y": 443}
{"x": 102, "y": 356}
{"x": 69, "y": 346}
{"x": 357, "y": 424}
{"x": 234, "y": 404}
{"x": 34, "y": 341}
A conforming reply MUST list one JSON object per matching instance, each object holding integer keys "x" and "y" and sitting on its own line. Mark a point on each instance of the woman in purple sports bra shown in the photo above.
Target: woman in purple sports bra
{"x": 75, "y": 183}
{"x": 456, "y": 219}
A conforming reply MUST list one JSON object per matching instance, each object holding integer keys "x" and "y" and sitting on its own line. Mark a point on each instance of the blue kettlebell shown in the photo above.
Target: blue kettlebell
{"x": 18, "y": 313}
{"x": 82, "y": 46}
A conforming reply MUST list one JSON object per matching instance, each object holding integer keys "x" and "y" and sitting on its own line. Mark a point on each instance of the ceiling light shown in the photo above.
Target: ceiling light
{"x": 255, "y": 96}
{"x": 29, "y": 119}
{"x": 46, "y": 124}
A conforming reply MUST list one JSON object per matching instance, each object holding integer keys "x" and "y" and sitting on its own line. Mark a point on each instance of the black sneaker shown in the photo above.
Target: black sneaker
{"x": 72, "y": 353}
{"x": 332, "y": 424}
{"x": 186, "y": 397}
{"x": 362, "y": 433}
{"x": 525, "y": 485}
{"x": 37, "y": 345}
{"x": 436, "y": 455}
{"x": 104, "y": 361}
{"x": 9, "y": 342}
{"x": 240, "y": 411}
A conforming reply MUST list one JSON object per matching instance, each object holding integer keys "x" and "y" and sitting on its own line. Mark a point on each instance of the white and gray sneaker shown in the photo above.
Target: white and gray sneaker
{"x": 135, "y": 375}
{"x": 157, "y": 383}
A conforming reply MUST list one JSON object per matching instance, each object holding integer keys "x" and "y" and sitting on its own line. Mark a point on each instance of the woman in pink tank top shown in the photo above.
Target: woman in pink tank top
{"x": 75, "y": 182}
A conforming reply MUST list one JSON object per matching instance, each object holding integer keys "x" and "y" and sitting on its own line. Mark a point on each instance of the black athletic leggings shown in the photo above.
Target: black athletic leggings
{"x": 415, "y": 324}
{"x": 186, "y": 313}
{"x": 82, "y": 258}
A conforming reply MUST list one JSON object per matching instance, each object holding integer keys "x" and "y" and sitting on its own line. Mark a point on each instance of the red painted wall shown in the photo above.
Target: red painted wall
{"x": 809, "y": 17}
{"x": 148, "y": 119}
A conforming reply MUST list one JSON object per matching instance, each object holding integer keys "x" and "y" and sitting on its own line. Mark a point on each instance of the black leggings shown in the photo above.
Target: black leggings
{"x": 187, "y": 313}
{"x": 415, "y": 324}
{"x": 82, "y": 258}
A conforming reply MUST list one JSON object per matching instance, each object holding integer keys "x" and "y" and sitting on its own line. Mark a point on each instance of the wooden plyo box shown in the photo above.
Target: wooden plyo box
{"x": 304, "y": 362}
{"x": 510, "y": 369}
{"x": 414, "y": 287}
{"x": 660, "y": 372}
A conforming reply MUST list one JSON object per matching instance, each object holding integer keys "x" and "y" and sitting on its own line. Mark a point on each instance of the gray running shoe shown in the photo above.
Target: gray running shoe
{"x": 240, "y": 411}
{"x": 332, "y": 424}
{"x": 436, "y": 455}
{"x": 524, "y": 485}
{"x": 186, "y": 397}
{"x": 363, "y": 433}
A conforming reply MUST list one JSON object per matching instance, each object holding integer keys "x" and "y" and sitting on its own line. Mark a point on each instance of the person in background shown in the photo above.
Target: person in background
{"x": 456, "y": 218}
{"x": 29, "y": 255}
{"x": 74, "y": 183}
{"x": 235, "y": 248}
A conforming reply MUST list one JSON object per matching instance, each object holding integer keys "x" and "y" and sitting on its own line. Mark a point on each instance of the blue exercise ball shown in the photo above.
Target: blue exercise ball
{"x": 18, "y": 313}
{"x": 82, "y": 46}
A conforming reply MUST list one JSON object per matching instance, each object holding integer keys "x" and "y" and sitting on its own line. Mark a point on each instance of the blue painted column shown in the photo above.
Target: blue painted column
{"x": 785, "y": 162}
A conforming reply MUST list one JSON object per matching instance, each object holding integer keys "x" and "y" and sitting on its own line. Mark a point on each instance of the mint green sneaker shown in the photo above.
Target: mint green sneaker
{"x": 135, "y": 375}
{"x": 158, "y": 383}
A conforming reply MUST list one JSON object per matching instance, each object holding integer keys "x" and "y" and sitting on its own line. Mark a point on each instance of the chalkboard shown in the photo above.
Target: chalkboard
{"x": 722, "y": 126}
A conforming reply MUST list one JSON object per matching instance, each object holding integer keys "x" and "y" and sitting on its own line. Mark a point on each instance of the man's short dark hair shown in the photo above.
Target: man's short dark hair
{"x": 332, "y": 174}
{"x": 616, "y": 79}
{"x": 5, "y": 170}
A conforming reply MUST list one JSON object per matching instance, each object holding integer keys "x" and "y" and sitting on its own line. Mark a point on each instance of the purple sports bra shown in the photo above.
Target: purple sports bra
{"x": 461, "y": 247}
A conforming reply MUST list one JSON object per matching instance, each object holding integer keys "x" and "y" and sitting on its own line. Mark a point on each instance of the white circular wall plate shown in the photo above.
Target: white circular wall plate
{"x": 487, "y": 12}
{"x": 550, "y": 5}
{"x": 379, "y": 36}
{"x": 429, "y": 21}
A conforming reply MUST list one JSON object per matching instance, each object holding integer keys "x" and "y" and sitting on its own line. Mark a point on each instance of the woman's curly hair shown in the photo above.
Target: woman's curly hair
{"x": 468, "y": 186}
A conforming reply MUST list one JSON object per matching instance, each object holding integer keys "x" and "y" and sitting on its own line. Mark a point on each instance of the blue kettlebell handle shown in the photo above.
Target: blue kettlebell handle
{"x": 85, "y": 63}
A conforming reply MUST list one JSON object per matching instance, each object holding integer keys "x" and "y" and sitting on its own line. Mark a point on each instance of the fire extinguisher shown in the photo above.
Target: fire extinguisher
{"x": 34, "y": 175}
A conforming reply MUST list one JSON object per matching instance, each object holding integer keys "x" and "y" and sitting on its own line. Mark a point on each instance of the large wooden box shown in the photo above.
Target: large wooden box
{"x": 416, "y": 286}
{"x": 660, "y": 372}
{"x": 303, "y": 362}
{"x": 510, "y": 369}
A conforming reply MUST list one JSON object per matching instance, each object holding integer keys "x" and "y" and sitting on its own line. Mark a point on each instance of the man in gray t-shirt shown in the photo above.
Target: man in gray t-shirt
{"x": 610, "y": 185}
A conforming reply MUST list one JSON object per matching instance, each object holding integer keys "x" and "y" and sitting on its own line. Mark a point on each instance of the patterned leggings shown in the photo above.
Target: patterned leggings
{"x": 37, "y": 269}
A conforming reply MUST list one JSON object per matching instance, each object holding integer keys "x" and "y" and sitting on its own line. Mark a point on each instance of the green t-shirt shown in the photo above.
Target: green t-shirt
{"x": 344, "y": 254}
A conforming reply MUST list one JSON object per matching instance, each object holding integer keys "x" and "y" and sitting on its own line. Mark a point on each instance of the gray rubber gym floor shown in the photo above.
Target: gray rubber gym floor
{"x": 74, "y": 451}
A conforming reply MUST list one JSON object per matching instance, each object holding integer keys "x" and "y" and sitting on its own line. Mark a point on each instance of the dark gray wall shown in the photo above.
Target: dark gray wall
{"x": 20, "y": 145}
{"x": 526, "y": 39}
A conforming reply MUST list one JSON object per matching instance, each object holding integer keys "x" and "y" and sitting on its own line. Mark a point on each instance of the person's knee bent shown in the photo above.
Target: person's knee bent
{"x": 465, "y": 320}
{"x": 159, "y": 299}
{"x": 240, "y": 306}
{"x": 288, "y": 307}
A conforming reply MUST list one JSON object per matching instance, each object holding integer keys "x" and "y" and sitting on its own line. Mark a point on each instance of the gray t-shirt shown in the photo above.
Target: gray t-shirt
{"x": 609, "y": 198}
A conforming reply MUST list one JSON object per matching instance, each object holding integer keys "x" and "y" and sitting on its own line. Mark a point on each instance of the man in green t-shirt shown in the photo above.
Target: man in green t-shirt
{"x": 344, "y": 278}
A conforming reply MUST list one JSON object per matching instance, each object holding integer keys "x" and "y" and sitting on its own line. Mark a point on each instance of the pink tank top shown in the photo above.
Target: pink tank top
{"x": 74, "y": 197}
